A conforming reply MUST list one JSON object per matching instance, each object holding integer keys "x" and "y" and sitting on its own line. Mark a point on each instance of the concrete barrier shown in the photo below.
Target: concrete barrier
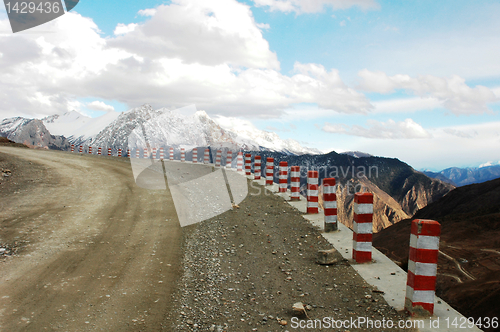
{"x": 183, "y": 155}
{"x": 145, "y": 153}
{"x": 81, "y": 149}
{"x": 162, "y": 154}
{"x": 90, "y": 150}
{"x": 269, "y": 171}
{"x": 171, "y": 154}
{"x": 155, "y": 155}
{"x": 312, "y": 192}
{"x": 72, "y": 148}
{"x": 330, "y": 204}
{"x": 99, "y": 150}
{"x": 229, "y": 159}
{"x": 257, "y": 169}
{"x": 128, "y": 153}
{"x": 248, "y": 164}
{"x": 206, "y": 157}
{"x": 194, "y": 157}
{"x": 239, "y": 162}
{"x": 119, "y": 152}
{"x": 283, "y": 176}
{"x": 362, "y": 227}
{"x": 295, "y": 183}
{"x": 218, "y": 158}
{"x": 422, "y": 267}
{"x": 137, "y": 153}
{"x": 109, "y": 151}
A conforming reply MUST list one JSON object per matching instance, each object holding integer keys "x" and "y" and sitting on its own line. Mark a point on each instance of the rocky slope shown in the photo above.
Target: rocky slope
{"x": 33, "y": 133}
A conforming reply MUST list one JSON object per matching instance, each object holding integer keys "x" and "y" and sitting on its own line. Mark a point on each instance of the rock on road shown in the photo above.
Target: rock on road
{"x": 97, "y": 252}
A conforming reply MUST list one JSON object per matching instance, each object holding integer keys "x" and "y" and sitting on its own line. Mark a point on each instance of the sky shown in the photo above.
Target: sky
{"x": 414, "y": 80}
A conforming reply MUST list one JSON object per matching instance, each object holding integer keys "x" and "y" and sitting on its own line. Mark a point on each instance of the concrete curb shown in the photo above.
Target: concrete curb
{"x": 382, "y": 273}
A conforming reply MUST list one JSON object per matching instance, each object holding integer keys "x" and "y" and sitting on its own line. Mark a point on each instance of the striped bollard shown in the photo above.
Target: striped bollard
{"x": 162, "y": 154}
{"x": 362, "y": 227}
{"x": 218, "y": 158}
{"x": 194, "y": 158}
{"x": 283, "y": 176}
{"x": 145, "y": 153}
{"x": 171, "y": 154}
{"x": 137, "y": 153}
{"x": 229, "y": 159}
{"x": 257, "y": 171}
{"x": 269, "y": 171}
{"x": 248, "y": 164}
{"x": 422, "y": 267}
{"x": 239, "y": 162}
{"x": 206, "y": 157}
{"x": 295, "y": 183}
{"x": 99, "y": 150}
{"x": 109, "y": 151}
{"x": 312, "y": 192}
{"x": 72, "y": 148}
{"x": 128, "y": 153}
{"x": 155, "y": 156}
{"x": 119, "y": 152}
{"x": 330, "y": 204}
{"x": 183, "y": 155}
{"x": 90, "y": 150}
{"x": 81, "y": 149}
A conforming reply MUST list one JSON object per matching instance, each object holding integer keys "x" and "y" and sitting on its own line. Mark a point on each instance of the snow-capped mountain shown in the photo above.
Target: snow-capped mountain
{"x": 76, "y": 126}
{"x": 184, "y": 127}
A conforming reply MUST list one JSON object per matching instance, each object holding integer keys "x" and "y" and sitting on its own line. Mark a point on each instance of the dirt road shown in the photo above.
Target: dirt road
{"x": 94, "y": 251}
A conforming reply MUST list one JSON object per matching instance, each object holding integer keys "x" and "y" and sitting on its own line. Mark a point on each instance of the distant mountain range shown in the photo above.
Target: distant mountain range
{"x": 464, "y": 176}
{"x": 469, "y": 267}
{"x": 113, "y": 129}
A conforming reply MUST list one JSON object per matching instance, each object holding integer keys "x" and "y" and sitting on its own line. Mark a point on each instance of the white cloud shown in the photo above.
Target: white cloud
{"x": 308, "y": 6}
{"x": 263, "y": 26}
{"x": 342, "y": 23}
{"x": 452, "y": 92}
{"x": 122, "y": 29}
{"x": 208, "y": 32}
{"x": 75, "y": 61}
{"x": 391, "y": 129}
{"x": 147, "y": 12}
{"x": 100, "y": 106}
{"x": 406, "y": 105}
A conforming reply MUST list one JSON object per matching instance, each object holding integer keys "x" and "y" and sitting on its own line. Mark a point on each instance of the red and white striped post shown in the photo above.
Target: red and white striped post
{"x": 229, "y": 159}
{"x": 109, "y": 151}
{"x": 312, "y": 192}
{"x": 206, "y": 157}
{"x": 194, "y": 158}
{"x": 295, "y": 183}
{"x": 128, "y": 153}
{"x": 137, "y": 153}
{"x": 162, "y": 154}
{"x": 269, "y": 171}
{"x": 422, "y": 267}
{"x": 171, "y": 154}
{"x": 183, "y": 155}
{"x": 90, "y": 150}
{"x": 248, "y": 164}
{"x": 72, "y": 148}
{"x": 99, "y": 150}
{"x": 283, "y": 176}
{"x": 119, "y": 152}
{"x": 257, "y": 170}
{"x": 81, "y": 149}
{"x": 145, "y": 152}
{"x": 362, "y": 227}
{"x": 155, "y": 155}
{"x": 218, "y": 158}
{"x": 239, "y": 162}
{"x": 330, "y": 204}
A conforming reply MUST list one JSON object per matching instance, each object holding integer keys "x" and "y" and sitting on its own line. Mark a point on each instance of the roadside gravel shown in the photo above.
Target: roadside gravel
{"x": 243, "y": 270}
